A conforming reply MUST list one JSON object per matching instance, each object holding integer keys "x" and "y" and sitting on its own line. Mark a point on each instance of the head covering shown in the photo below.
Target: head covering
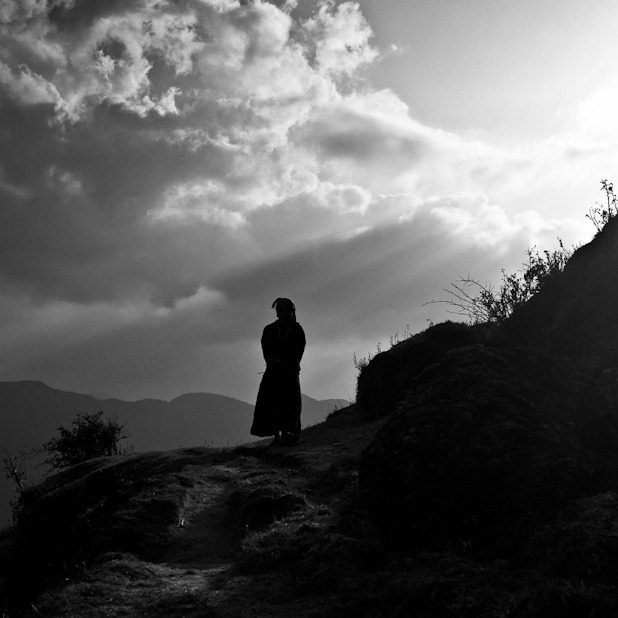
{"x": 286, "y": 305}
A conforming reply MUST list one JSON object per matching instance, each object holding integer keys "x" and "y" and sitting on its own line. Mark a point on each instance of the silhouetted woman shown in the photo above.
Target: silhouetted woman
{"x": 278, "y": 405}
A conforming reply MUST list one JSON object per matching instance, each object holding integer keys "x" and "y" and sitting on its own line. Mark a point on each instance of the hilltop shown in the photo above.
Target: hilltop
{"x": 476, "y": 476}
{"x": 195, "y": 532}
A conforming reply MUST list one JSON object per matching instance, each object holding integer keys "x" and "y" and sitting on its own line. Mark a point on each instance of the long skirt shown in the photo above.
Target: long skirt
{"x": 278, "y": 403}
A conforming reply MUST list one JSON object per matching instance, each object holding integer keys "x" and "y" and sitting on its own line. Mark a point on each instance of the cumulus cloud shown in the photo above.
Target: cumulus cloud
{"x": 168, "y": 168}
{"x": 341, "y": 38}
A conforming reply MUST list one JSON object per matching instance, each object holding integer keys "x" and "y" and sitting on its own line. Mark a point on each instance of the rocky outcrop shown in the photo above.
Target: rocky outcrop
{"x": 486, "y": 446}
{"x": 487, "y": 443}
{"x": 387, "y": 378}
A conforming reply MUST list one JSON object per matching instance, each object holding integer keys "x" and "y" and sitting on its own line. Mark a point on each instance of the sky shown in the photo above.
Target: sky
{"x": 170, "y": 167}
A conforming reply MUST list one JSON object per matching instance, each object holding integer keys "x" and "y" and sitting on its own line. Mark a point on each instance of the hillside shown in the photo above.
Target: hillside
{"x": 475, "y": 477}
{"x": 187, "y": 532}
{"x": 270, "y": 531}
{"x": 576, "y": 314}
{"x": 30, "y": 413}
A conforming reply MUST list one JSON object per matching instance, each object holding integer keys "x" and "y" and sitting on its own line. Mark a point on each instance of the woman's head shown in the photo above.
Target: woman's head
{"x": 285, "y": 309}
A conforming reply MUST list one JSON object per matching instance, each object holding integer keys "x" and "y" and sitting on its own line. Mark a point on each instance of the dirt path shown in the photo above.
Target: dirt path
{"x": 202, "y": 537}
{"x": 205, "y": 544}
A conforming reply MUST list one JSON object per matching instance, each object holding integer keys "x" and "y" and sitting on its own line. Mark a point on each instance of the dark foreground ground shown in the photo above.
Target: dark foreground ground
{"x": 256, "y": 531}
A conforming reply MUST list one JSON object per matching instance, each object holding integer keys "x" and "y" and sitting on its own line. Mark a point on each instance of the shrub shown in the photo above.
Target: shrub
{"x": 91, "y": 435}
{"x": 482, "y": 303}
{"x": 16, "y": 470}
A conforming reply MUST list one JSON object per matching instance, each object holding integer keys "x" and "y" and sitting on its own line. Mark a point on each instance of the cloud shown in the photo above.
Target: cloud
{"x": 132, "y": 123}
{"x": 351, "y": 292}
{"x": 168, "y": 168}
{"x": 348, "y": 280}
{"x": 341, "y": 38}
{"x": 28, "y": 87}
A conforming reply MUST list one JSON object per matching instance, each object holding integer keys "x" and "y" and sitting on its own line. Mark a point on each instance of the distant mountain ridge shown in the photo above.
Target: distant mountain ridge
{"x": 31, "y": 411}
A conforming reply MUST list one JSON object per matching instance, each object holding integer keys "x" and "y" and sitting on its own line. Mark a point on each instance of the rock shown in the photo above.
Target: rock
{"x": 486, "y": 445}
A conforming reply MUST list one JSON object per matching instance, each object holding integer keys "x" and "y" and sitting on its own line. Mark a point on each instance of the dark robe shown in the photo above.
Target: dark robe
{"x": 278, "y": 404}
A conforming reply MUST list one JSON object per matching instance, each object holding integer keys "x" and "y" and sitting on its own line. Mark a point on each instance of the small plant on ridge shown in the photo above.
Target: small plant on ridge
{"x": 91, "y": 435}
{"x": 482, "y": 303}
{"x": 601, "y": 214}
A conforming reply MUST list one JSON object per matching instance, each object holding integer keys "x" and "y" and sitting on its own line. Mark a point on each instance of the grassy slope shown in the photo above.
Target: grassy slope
{"x": 257, "y": 531}
{"x": 166, "y": 533}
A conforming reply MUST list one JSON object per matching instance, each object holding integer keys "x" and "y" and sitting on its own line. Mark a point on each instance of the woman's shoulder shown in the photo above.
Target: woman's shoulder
{"x": 273, "y": 326}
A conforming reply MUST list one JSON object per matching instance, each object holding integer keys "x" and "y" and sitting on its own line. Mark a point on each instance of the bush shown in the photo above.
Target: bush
{"x": 482, "y": 303}
{"x": 91, "y": 435}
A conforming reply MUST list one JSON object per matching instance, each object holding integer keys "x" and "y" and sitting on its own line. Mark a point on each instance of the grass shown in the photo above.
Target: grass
{"x": 122, "y": 585}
